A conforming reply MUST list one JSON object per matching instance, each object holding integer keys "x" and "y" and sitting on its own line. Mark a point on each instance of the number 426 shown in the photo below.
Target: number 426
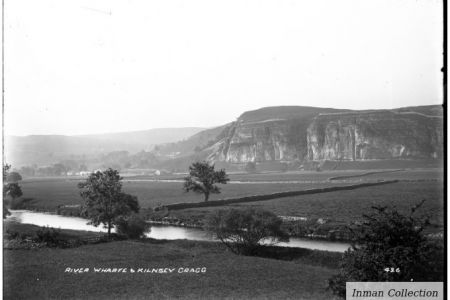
{"x": 392, "y": 270}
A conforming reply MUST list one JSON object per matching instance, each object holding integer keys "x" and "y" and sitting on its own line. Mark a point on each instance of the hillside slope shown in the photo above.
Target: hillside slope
{"x": 47, "y": 149}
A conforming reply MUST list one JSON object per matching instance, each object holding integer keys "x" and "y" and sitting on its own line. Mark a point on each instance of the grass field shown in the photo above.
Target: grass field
{"x": 312, "y": 176}
{"x": 341, "y": 206}
{"x": 40, "y": 274}
{"x": 51, "y": 193}
{"x": 347, "y": 206}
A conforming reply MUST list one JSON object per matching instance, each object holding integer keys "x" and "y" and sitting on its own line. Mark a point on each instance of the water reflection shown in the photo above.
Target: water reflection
{"x": 157, "y": 231}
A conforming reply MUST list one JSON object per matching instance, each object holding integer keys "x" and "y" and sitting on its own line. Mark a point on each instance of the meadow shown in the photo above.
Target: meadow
{"x": 313, "y": 176}
{"x": 347, "y": 206}
{"x": 51, "y": 193}
{"x": 337, "y": 207}
{"x": 40, "y": 274}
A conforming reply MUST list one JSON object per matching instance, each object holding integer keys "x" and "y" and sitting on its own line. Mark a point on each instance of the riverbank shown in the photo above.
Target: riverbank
{"x": 300, "y": 228}
{"x": 313, "y": 229}
{"x": 160, "y": 232}
{"x": 46, "y": 273}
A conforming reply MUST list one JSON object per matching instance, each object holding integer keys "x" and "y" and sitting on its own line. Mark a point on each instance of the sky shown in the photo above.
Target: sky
{"x": 97, "y": 66}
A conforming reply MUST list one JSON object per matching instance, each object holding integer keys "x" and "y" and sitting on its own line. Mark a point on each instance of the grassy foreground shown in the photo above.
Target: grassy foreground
{"x": 40, "y": 274}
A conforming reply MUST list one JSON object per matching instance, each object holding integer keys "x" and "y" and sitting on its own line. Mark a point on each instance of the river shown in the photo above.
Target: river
{"x": 159, "y": 232}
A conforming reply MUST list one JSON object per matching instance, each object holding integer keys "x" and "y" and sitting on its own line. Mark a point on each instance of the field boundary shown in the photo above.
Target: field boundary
{"x": 254, "y": 198}
{"x": 364, "y": 174}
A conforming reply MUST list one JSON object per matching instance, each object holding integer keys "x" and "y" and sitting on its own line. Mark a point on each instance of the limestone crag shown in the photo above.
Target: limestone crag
{"x": 374, "y": 135}
{"x": 306, "y": 134}
{"x": 257, "y": 141}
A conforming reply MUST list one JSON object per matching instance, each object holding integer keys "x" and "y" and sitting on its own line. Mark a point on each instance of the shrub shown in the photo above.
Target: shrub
{"x": 12, "y": 234}
{"x": 390, "y": 246}
{"x": 21, "y": 203}
{"x": 243, "y": 231}
{"x": 133, "y": 227}
{"x": 50, "y": 236}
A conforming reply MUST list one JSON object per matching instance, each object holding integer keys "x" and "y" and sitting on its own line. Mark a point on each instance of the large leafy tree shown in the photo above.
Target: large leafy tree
{"x": 243, "y": 231}
{"x": 105, "y": 203}
{"x": 202, "y": 179}
{"x": 390, "y": 246}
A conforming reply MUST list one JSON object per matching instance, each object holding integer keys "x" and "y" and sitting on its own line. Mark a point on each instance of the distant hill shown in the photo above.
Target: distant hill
{"x": 194, "y": 143}
{"x": 48, "y": 149}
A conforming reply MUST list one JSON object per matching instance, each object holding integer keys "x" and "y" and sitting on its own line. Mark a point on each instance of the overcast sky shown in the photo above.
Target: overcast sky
{"x": 93, "y": 66}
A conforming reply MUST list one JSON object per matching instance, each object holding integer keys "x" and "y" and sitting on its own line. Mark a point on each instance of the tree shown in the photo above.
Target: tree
{"x": 202, "y": 178}
{"x": 105, "y": 203}
{"x": 390, "y": 246}
{"x": 14, "y": 190}
{"x": 6, "y": 168}
{"x": 11, "y": 189}
{"x": 13, "y": 177}
{"x": 243, "y": 231}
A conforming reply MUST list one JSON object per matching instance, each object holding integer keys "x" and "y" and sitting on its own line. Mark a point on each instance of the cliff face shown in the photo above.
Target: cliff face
{"x": 262, "y": 141}
{"x": 324, "y": 134}
{"x": 268, "y": 134}
{"x": 375, "y": 135}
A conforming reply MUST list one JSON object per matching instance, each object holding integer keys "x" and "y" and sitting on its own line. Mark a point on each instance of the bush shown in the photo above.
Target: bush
{"x": 390, "y": 246}
{"x": 12, "y": 234}
{"x": 50, "y": 236}
{"x": 243, "y": 231}
{"x": 21, "y": 203}
{"x": 133, "y": 227}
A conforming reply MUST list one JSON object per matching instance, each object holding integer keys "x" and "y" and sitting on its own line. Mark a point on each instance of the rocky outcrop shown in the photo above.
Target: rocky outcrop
{"x": 267, "y": 134}
{"x": 315, "y": 134}
{"x": 375, "y": 135}
{"x": 281, "y": 140}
